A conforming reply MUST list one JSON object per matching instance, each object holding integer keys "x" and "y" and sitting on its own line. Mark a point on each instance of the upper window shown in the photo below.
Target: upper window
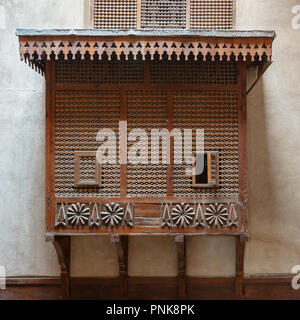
{"x": 164, "y": 14}
{"x": 115, "y": 14}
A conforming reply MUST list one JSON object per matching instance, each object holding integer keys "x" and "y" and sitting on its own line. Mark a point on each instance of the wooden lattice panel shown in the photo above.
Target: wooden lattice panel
{"x": 115, "y": 14}
{"x": 163, "y": 14}
{"x": 217, "y": 114}
{"x": 87, "y": 169}
{"x": 79, "y": 117}
{"x": 193, "y": 72}
{"x": 147, "y": 110}
{"x": 99, "y": 72}
{"x": 211, "y": 14}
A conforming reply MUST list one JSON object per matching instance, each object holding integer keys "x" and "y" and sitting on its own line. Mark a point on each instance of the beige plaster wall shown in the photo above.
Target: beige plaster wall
{"x": 273, "y": 143}
{"x": 273, "y": 130}
{"x": 23, "y": 250}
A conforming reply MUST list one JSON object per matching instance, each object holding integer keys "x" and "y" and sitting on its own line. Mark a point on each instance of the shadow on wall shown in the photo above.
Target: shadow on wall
{"x": 260, "y": 185}
{"x": 94, "y": 256}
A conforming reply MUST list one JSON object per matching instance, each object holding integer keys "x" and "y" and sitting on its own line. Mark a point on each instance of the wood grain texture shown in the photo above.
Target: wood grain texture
{"x": 48, "y": 159}
{"x": 259, "y": 288}
{"x": 50, "y": 144}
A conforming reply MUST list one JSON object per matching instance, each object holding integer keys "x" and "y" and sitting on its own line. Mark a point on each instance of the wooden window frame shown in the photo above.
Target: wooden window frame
{"x": 77, "y": 159}
{"x": 209, "y": 184}
{"x": 89, "y": 14}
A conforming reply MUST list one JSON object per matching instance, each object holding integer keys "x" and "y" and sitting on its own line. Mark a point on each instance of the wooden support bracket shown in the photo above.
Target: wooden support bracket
{"x": 239, "y": 276}
{"x": 261, "y": 69}
{"x": 122, "y": 247}
{"x": 62, "y": 245}
{"x": 179, "y": 239}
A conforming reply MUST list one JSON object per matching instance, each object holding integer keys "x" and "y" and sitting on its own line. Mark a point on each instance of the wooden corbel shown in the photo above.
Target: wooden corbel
{"x": 62, "y": 245}
{"x": 122, "y": 247}
{"x": 261, "y": 69}
{"x": 179, "y": 239}
{"x": 239, "y": 275}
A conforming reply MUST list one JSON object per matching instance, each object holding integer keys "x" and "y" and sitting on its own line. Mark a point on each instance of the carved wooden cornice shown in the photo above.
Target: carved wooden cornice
{"x": 37, "y": 46}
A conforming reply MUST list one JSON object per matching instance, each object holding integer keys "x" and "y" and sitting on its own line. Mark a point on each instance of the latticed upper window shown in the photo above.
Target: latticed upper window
{"x": 164, "y": 14}
{"x": 115, "y": 14}
{"x": 212, "y": 14}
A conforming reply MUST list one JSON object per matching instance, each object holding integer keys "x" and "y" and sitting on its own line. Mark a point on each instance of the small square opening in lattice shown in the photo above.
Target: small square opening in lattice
{"x": 87, "y": 170}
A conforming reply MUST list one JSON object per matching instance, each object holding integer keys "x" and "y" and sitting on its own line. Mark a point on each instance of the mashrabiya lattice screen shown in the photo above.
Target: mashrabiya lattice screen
{"x": 115, "y": 14}
{"x": 164, "y": 14}
{"x": 79, "y": 117}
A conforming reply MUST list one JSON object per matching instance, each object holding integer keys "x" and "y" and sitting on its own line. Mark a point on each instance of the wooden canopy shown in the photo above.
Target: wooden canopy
{"x": 36, "y": 46}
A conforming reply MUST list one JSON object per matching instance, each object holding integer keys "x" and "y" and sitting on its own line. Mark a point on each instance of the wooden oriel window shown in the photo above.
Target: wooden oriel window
{"x": 155, "y": 80}
{"x": 99, "y": 79}
{"x": 163, "y": 14}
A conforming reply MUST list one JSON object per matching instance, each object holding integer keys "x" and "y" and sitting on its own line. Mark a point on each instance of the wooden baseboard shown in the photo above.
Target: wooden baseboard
{"x": 277, "y": 288}
{"x": 261, "y": 288}
{"x": 32, "y": 288}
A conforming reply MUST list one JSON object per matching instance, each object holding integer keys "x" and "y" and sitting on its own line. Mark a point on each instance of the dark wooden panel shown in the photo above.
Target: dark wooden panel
{"x": 32, "y": 289}
{"x": 270, "y": 289}
{"x": 210, "y": 288}
{"x": 261, "y": 288}
{"x": 95, "y": 288}
{"x": 153, "y": 288}
{"x": 143, "y": 210}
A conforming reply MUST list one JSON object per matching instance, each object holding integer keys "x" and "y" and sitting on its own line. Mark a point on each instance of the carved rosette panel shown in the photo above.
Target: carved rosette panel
{"x": 172, "y": 215}
{"x": 78, "y": 214}
{"x": 183, "y": 215}
{"x": 216, "y": 215}
{"x": 113, "y": 214}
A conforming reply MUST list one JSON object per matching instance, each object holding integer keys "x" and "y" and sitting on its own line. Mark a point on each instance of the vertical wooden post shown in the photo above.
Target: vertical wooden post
{"x": 188, "y": 14}
{"x": 181, "y": 266}
{"x": 243, "y": 188}
{"x": 49, "y": 159}
{"x": 62, "y": 245}
{"x": 170, "y": 124}
{"x": 239, "y": 276}
{"x": 123, "y": 143}
{"x": 122, "y": 247}
{"x": 89, "y": 9}
{"x": 242, "y": 125}
{"x": 138, "y": 14}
